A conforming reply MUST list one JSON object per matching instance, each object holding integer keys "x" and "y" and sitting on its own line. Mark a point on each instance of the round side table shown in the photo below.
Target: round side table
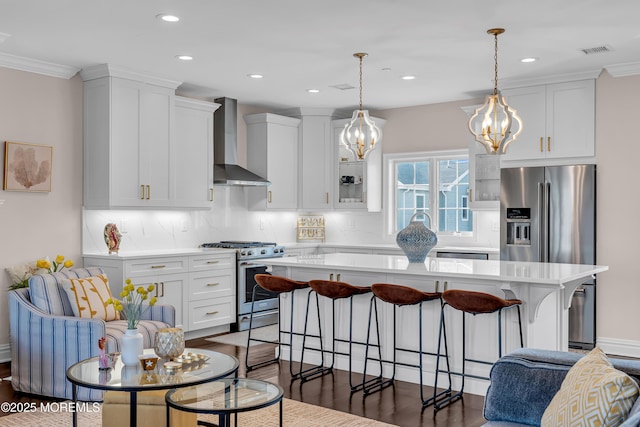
{"x": 225, "y": 397}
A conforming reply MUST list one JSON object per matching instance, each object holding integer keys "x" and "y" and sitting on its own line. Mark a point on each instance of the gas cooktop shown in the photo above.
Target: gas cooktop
{"x": 248, "y": 249}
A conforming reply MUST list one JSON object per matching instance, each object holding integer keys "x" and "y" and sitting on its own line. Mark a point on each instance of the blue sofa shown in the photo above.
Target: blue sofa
{"x": 524, "y": 382}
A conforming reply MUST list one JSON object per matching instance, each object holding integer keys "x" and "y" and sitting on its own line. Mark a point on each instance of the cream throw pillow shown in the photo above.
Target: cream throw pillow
{"x": 88, "y": 297}
{"x": 593, "y": 393}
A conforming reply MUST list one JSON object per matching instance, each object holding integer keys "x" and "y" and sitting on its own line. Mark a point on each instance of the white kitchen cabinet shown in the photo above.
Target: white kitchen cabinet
{"x": 272, "y": 152}
{"x": 558, "y": 121}
{"x": 484, "y": 179}
{"x": 357, "y": 184}
{"x": 212, "y": 290}
{"x": 201, "y": 287}
{"x": 316, "y": 162}
{"x": 169, "y": 275}
{"x": 128, "y": 126}
{"x": 193, "y": 154}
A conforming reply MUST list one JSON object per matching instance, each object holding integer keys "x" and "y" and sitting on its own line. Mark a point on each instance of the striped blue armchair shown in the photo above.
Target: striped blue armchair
{"x": 46, "y": 337}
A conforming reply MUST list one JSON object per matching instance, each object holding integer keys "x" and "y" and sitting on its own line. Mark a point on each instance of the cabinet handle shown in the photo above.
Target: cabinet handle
{"x": 212, "y": 312}
{"x": 269, "y": 196}
{"x": 437, "y": 285}
{"x": 445, "y": 285}
{"x": 212, "y": 262}
{"x": 162, "y": 283}
{"x": 213, "y": 284}
{"x": 141, "y": 192}
{"x": 338, "y": 277}
{"x": 326, "y": 198}
{"x": 156, "y": 285}
{"x": 158, "y": 266}
{"x": 548, "y": 143}
{"x": 471, "y": 195}
{"x": 541, "y": 138}
{"x": 148, "y": 192}
{"x": 331, "y": 276}
{"x": 211, "y": 194}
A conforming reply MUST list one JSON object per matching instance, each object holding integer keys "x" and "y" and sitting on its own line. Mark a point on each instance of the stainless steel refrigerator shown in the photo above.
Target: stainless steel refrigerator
{"x": 547, "y": 214}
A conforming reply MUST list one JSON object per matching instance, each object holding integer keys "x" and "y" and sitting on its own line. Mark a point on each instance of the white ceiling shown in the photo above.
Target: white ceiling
{"x": 300, "y": 44}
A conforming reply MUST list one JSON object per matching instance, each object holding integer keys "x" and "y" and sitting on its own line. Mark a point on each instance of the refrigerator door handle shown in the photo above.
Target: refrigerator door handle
{"x": 547, "y": 220}
{"x": 541, "y": 222}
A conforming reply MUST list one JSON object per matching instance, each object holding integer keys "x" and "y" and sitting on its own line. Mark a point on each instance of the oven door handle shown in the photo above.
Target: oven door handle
{"x": 249, "y": 264}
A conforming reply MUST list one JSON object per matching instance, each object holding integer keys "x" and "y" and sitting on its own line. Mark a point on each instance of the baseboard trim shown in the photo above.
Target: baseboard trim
{"x": 619, "y": 347}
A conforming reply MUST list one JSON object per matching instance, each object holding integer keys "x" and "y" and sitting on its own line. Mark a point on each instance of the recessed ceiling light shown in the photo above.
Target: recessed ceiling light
{"x": 184, "y": 57}
{"x": 408, "y": 77}
{"x": 530, "y": 59}
{"x": 168, "y": 18}
{"x": 255, "y": 76}
{"x": 313, "y": 90}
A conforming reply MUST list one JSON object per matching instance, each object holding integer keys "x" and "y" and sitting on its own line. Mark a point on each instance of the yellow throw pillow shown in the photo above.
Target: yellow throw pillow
{"x": 593, "y": 393}
{"x": 88, "y": 297}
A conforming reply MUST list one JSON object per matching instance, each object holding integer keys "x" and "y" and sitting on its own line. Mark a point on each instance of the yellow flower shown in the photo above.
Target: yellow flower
{"x": 150, "y": 288}
{"x": 57, "y": 265}
{"x": 132, "y": 305}
{"x": 153, "y": 301}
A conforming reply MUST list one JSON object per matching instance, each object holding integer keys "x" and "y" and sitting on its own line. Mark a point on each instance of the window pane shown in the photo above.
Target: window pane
{"x": 453, "y": 212}
{"x": 412, "y": 191}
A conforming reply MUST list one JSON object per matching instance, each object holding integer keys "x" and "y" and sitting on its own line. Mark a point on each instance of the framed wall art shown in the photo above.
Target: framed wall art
{"x": 27, "y": 167}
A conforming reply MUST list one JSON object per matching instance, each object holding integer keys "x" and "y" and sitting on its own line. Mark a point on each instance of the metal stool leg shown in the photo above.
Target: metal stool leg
{"x": 373, "y": 310}
{"x": 248, "y": 367}
{"x": 318, "y": 370}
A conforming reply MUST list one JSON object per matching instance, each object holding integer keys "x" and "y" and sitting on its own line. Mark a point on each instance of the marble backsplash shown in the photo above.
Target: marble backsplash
{"x": 229, "y": 219}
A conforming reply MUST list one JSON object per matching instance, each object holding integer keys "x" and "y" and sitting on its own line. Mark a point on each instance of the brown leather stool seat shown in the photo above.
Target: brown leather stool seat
{"x": 333, "y": 290}
{"x": 404, "y": 296}
{"x": 278, "y": 285}
{"x": 474, "y": 303}
{"x": 477, "y": 302}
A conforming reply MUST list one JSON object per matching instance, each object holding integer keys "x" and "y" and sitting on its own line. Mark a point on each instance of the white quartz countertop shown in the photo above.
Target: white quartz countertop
{"x": 157, "y": 253}
{"x": 468, "y": 249}
{"x": 511, "y": 271}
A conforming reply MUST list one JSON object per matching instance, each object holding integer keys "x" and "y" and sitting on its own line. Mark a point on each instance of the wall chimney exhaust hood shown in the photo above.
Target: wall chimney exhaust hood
{"x": 225, "y": 148}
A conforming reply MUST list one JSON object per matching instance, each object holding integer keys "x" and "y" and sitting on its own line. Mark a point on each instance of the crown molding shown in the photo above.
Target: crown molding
{"x": 623, "y": 70}
{"x": 37, "y": 66}
{"x": 108, "y": 70}
{"x": 510, "y": 83}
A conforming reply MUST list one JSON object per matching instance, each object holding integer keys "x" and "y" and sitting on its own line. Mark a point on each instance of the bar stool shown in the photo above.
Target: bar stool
{"x": 472, "y": 302}
{"x": 278, "y": 285}
{"x": 334, "y": 290}
{"x": 400, "y": 296}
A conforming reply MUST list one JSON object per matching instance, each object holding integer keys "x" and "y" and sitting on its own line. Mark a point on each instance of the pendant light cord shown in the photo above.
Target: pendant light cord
{"x": 495, "y": 58}
{"x": 361, "y": 82}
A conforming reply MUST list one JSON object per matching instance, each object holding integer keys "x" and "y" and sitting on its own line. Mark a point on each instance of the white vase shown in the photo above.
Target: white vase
{"x": 131, "y": 347}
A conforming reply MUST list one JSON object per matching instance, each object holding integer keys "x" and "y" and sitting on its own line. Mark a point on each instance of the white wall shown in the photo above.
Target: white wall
{"x": 48, "y": 111}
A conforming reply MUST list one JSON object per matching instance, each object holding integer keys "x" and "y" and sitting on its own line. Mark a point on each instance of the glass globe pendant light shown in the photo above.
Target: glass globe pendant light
{"x": 495, "y": 124}
{"x": 361, "y": 134}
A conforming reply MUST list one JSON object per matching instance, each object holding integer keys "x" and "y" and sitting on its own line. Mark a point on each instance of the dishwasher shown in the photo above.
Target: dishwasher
{"x": 463, "y": 255}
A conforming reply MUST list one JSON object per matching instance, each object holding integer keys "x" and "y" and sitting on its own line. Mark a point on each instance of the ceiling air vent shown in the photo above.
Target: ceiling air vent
{"x": 343, "y": 86}
{"x": 596, "y": 50}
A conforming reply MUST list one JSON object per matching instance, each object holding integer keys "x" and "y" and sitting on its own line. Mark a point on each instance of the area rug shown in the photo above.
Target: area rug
{"x": 267, "y": 333}
{"x": 295, "y": 414}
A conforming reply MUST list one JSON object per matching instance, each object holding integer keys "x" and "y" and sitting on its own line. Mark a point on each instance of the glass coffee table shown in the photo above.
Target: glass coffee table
{"x": 133, "y": 379}
{"x": 225, "y": 397}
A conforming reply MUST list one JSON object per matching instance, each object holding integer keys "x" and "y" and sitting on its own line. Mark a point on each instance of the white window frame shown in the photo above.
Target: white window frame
{"x": 390, "y": 161}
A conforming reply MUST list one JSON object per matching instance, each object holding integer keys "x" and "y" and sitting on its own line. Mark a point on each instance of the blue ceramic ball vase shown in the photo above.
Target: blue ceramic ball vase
{"x": 416, "y": 240}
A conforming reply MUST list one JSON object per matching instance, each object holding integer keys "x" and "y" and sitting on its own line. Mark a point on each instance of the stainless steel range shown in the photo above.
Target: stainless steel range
{"x": 248, "y": 265}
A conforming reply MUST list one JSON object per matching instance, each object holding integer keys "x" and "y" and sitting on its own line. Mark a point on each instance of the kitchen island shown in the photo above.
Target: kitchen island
{"x": 544, "y": 288}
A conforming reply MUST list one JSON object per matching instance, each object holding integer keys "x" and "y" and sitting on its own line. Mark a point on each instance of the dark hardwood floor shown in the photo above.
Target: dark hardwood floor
{"x": 398, "y": 405}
